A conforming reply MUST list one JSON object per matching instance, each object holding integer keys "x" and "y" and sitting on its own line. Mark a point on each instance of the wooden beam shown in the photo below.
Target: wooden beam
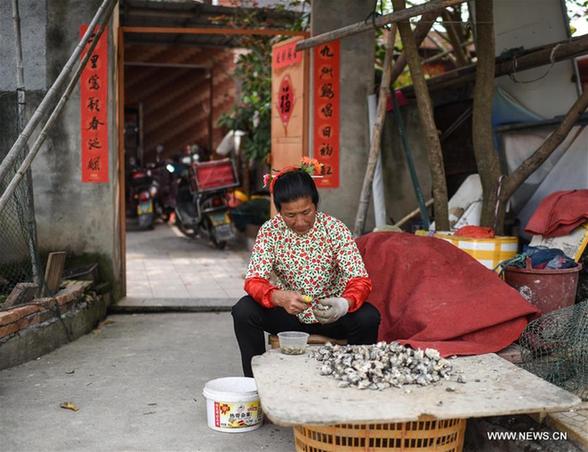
{"x": 157, "y": 105}
{"x": 365, "y": 25}
{"x": 412, "y": 214}
{"x": 210, "y": 107}
{"x": 529, "y": 59}
{"x": 53, "y": 272}
{"x": 376, "y": 135}
{"x": 482, "y": 134}
{"x": 217, "y": 31}
{"x": 179, "y": 57}
{"x": 143, "y": 52}
{"x": 168, "y": 65}
{"x": 420, "y": 33}
{"x": 429, "y": 129}
{"x": 120, "y": 123}
{"x": 454, "y": 38}
{"x": 153, "y": 82}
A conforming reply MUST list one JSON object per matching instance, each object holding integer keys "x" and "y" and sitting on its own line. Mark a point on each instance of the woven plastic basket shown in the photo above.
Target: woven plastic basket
{"x": 428, "y": 435}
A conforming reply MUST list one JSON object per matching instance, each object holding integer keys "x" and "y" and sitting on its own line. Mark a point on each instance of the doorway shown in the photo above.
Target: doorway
{"x": 174, "y": 85}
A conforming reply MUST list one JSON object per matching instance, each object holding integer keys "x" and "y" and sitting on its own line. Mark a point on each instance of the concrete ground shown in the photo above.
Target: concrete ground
{"x": 137, "y": 381}
{"x": 166, "y": 268}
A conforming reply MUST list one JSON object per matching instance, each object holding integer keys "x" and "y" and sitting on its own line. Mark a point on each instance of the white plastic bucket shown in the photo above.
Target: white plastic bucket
{"x": 232, "y": 404}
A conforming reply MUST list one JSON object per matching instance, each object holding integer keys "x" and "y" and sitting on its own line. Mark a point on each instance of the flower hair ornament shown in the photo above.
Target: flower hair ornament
{"x": 310, "y": 166}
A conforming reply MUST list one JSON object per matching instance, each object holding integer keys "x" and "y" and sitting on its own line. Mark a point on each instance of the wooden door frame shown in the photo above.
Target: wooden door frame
{"x": 122, "y": 30}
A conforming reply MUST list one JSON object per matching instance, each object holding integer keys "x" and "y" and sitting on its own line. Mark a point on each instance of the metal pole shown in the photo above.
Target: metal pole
{"x": 44, "y": 132}
{"x": 54, "y": 91}
{"x": 29, "y": 205}
{"x": 409, "y": 161}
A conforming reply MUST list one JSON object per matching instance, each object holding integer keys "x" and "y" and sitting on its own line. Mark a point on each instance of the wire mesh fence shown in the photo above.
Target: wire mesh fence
{"x": 19, "y": 254}
{"x": 555, "y": 347}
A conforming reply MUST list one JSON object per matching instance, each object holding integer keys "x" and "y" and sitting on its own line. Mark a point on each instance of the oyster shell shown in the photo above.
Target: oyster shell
{"x": 382, "y": 365}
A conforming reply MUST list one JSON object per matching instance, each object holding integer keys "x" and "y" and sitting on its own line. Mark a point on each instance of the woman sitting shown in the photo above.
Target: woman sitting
{"x": 313, "y": 256}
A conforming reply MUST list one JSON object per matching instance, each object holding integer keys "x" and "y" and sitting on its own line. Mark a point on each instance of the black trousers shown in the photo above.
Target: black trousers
{"x": 251, "y": 320}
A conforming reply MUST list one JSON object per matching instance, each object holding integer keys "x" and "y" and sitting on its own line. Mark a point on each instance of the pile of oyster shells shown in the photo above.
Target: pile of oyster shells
{"x": 382, "y": 365}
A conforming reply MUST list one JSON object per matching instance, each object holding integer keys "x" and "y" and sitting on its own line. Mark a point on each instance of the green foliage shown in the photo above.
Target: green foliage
{"x": 252, "y": 114}
{"x": 578, "y": 16}
{"x": 253, "y": 70}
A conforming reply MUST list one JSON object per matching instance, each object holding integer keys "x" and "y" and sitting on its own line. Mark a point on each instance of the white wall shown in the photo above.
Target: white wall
{"x": 532, "y": 23}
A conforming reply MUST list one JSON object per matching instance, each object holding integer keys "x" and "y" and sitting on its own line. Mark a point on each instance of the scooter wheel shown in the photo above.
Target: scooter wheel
{"x": 187, "y": 232}
{"x": 220, "y": 245}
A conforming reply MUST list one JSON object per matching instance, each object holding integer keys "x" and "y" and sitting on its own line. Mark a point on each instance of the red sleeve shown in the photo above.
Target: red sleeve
{"x": 260, "y": 290}
{"x": 357, "y": 291}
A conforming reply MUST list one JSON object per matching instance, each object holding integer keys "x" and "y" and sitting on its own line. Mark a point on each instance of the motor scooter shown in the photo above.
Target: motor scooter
{"x": 140, "y": 203}
{"x": 201, "y": 204}
{"x": 162, "y": 188}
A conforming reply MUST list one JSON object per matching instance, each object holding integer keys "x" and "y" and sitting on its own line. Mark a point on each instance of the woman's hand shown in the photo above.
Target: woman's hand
{"x": 291, "y": 301}
{"x": 336, "y": 307}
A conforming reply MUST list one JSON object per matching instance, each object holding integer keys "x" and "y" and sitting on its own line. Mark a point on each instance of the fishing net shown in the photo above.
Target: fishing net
{"x": 19, "y": 251}
{"x": 555, "y": 348}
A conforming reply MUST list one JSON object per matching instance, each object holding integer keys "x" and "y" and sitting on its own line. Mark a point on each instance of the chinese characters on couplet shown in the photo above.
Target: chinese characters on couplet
{"x": 93, "y": 118}
{"x": 326, "y": 112}
{"x": 94, "y": 61}
{"x": 93, "y": 104}
{"x": 94, "y": 163}
{"x": 94, "y": 82}
{"x": 286, "y": 99}
{"x": 285, "y": 55}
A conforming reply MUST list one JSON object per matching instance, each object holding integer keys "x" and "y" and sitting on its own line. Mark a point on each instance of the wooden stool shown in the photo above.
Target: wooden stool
{"x": 314, "y": 339}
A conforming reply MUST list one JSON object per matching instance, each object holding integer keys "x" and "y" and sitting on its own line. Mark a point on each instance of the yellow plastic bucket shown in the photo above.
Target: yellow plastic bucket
{"x": 489, "y": 252}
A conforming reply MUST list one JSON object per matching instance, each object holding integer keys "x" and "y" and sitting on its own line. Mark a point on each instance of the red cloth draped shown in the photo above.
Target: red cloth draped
{"x": 559, "y": 213}
{"x": 432, "y": 294}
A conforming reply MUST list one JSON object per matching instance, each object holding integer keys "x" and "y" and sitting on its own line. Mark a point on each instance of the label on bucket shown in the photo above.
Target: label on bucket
{"x": 237, "y": 415}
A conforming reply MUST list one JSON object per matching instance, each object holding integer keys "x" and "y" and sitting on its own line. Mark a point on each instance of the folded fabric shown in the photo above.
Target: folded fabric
{"x": 432, "y": 294}
{"x": 559, "y": 213}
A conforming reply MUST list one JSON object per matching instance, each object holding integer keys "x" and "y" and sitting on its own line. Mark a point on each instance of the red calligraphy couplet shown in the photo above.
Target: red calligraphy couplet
{"x": 94, "y": 112}
{"x": 326, "y": 112}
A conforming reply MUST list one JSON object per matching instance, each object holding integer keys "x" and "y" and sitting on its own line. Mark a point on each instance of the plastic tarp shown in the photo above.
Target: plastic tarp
{"x": 506, "y": 109}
